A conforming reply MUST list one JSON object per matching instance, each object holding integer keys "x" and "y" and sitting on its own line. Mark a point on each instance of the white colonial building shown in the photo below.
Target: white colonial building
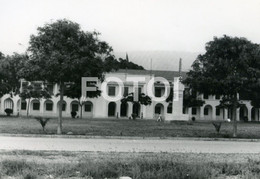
{"x": 102, "y": 108}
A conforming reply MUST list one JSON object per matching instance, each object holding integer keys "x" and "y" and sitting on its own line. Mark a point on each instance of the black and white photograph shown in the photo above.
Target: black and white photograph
{"x": 129, "y": 89}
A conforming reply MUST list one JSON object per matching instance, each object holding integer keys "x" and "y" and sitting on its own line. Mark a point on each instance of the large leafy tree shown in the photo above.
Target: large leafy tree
{"x": 10, "y": 73}
{"x": 143, "y": 99}
{"x": 230, "y": 66}
{"x": 61, "y": 52}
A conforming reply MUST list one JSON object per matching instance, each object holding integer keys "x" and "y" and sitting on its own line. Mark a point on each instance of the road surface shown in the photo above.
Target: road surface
{"x": 127, "y": 145}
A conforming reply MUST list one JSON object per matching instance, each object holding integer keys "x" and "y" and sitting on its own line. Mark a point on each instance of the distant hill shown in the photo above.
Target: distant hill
{"x": 161, "y": 60}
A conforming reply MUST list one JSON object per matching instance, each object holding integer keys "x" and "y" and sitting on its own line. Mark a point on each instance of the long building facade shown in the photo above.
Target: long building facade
{"x": 102, "y": 108}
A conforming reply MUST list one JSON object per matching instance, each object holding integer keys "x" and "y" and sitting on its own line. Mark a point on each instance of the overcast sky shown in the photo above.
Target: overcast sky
{"x": 134, "y": 25}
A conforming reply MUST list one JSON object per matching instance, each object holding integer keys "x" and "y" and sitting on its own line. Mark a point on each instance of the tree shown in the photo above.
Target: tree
{"x": 74, "y": 91}
{"x": 62, "y": 52}
{"x": 120, "y": 64}
{"x": 142, "y": 100}
{"x": 229, "y": 66}
{"x": 10, "y": 67}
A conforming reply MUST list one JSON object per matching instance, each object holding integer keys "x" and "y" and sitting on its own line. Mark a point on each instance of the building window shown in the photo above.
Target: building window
{"x": 194, "y": 111}
{"x": 111, "y": 91}
{"x": 217, "y": 112}
{"x": 139, "y": 90}
{"x": 158, "y": 92}
{"x": 49, "y": 106}
{"x": 206, "y": 96}
{"x": 23, "y": 105}
{"x": 217, "y": 96}
{"x": 36, "y": 106}
{"x": 75, "y": 107}
{"x": 63, "y": 107}
{"x": 126, "y": 91}
{"x": 206, "y": 111}
{"x": 169, "y": 108}
{"x": 88, "y": 107}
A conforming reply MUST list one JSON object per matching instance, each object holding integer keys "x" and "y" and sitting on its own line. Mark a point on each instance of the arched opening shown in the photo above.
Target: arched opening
{"x": 159, "y": 110}
{"x": 23, "y": 105}
{"x": 35, "y": 105}
{"x": 64, "y": 106}
{"x": 123, "y": 109}
{"x": 88, "y": 109}
{"x": 208, "y": 112}
{"x": 8, "y": 103}
{"x": 112, "y": 109}
{"x": 243, "y": 113}
{"x": 48, "y": 106}
{"x": 255, "y": 114}
{"x": 74, "y": 106}
{"x": 136, "y": 109}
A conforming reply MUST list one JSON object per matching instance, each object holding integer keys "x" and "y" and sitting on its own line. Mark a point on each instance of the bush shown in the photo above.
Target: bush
{"x": 217, "y": 126}
{"x": 134, "y": 116}
{"x": 42, "y": 121}
{"x": 193, "y": 118}
{"x": 73, "y": 114}
{"x": 8, "y": 111}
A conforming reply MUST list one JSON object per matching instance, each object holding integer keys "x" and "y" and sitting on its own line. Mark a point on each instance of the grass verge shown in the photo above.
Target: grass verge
{"x": 26, "y": 164}
{"x": 125, "y": 127}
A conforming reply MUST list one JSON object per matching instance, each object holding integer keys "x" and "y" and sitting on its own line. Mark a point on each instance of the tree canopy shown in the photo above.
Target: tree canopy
{"x": 10, "y": 72}
{"x": 61, "y": 52}
{"x": 230, "y": 66}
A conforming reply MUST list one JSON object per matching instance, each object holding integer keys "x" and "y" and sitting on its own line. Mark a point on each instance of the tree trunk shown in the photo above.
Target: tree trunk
{"x": 28, "y": 106}
{"x": 81, "y": 111}
{"x": 59, "y": 129}
{"x": 234, "y": 118}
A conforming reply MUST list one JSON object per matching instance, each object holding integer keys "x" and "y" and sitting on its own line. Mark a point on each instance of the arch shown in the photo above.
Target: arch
{"x": 255, "y": 114}
{"x": 23, "y": 105}
{"x": 207, "y": 111}
{"x": 48, "y": 105}
{"x": 35, "y": 105}
{"x": 64, "y": 106}
{"x": 159, "y": 109}
{"x": 123, "y": 109}
{"x": 243, "y": 113}
{"x": 88, "y": 109}
{"x": 111, "y": 109}
{"x": 136, "y": 109}
{"x": 74, "y": 106}
{"x": 8, "y": 103}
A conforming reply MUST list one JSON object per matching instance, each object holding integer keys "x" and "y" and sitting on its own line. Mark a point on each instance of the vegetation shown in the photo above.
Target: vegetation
{"x": 229, "y": 67}
{"x": 43, "y": 121}
{"x": 28, "y": 164}
{"x": 61, "y": 52}
{"x": 8, "y": 111}
{"x": 143, "y": 99}
{"x": 124, "y": 127}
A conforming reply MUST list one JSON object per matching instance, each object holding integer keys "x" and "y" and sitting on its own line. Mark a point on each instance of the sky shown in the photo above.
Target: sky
{"x": 136, "y": 26}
